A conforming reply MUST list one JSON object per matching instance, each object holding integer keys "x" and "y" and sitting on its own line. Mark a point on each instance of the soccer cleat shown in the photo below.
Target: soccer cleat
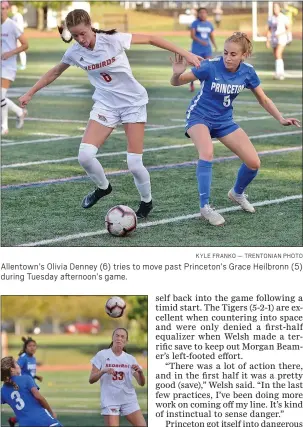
{"x": 279, "y": 77}
{"x": 20, "y": 119}
{"x": 11, "y": 422}
{"x": 144, "y": 209}
{"x": 241, "y": 199}
{"x": 22, "y": 67}
{"x": 191, "y": 87}
{"x": 92, "y": 198}
{"x": 211, "y": 215}
{"x": 4, "y": 132}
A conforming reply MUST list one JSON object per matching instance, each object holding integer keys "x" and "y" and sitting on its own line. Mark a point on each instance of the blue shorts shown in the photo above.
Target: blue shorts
{"x": 206, "y": 53}
{"x": 216, "y": 130}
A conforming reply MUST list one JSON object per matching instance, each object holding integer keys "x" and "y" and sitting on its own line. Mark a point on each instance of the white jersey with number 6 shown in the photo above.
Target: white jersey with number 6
{"x": 109, "y": 71}
{"x": 116, "y": 389}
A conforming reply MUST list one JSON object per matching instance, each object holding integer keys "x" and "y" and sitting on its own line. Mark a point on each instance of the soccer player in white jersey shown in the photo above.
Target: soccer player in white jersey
{"x": 119, "y": 98}
{"x": 277, "y": 38}
{"x": 115, "y": 369}
{"x": 10, "y": 35}
{"x": 19, "y": 20}
{"x": 210, "y": 115}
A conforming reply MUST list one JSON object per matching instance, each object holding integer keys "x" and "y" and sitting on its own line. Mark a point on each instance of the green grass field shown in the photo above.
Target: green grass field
{"x": 38, "y": 212}
{"x": 74, "y": 400}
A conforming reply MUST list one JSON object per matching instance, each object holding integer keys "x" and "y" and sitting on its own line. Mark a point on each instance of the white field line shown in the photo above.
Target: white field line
{"x": 34, "y": 141}
{"x": 155, "y": 127}
{"x": 48, "y": 134}
{"x": 146, "y": 150}
{"x": 246, "y": 119}
{"x": 159, "y": 222}
{"x": 37, "y": 119}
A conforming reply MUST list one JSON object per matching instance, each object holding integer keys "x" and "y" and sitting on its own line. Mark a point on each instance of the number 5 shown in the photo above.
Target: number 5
{"x": 226, "y": 101}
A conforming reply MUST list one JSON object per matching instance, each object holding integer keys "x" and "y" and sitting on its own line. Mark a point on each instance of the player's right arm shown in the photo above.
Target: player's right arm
{"x": 45, "y": 80}
{"x": 96, "y": 373}
{"x": 195, "y": 38}
{"x": 179, "y": 77}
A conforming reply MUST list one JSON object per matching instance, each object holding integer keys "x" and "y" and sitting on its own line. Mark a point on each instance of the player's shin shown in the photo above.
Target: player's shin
{"x": 245, "y": 176}
{"x": 93, "y": 168}
{"x": 13, "y": 107}
{"x": 4, "y": 111}
{"x": 204, "y": 177}
{"x": 141, "y": 176}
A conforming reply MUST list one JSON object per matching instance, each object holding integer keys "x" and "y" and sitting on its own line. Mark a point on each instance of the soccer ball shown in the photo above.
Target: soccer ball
{"x": 115, "y": 307}
{"x": 120, "y": 220}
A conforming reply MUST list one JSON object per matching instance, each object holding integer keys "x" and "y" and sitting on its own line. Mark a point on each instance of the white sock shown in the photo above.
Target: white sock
{"x": 14, "y": 108}
{"x": 279, "y": 67}
{"x": 93, "y": 168}
{"x": 141, "y": 176}
{"x": 23, "y": 59}
{"x": 4, "y": 110}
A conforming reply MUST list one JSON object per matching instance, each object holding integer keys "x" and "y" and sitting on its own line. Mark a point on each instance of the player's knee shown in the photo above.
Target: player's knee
{"x": 87, "y": 153}
{"x": 135, "y": 163}
{"x": 254, "y": 164}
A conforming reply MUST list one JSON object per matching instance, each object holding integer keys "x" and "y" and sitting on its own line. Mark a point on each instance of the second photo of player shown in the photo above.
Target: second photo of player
{"x": 104, "y": 356}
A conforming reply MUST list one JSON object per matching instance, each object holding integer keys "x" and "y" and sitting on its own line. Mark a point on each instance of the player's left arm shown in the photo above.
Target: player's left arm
{"x": 24, "y": 46}
{"x": 43, "y": 402}
{"x": 191, "y": 58}
{"x": 138, "y": 374}
{"x": 270, "y": 107}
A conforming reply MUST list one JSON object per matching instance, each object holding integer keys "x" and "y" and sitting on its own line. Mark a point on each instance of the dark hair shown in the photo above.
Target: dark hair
{"x": 26, "y": 341}
{"x": 243, "y": 40}
{"x": 201, "y": 8}
{"x": 76, "y": 17}
{"x": 111, "y": 344}
{"x": 7, "y": 363}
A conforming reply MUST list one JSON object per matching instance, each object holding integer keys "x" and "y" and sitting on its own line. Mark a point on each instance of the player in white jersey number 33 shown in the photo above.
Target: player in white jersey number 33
{"x": 119, "y": 98}
{"x": 115, "y": 368}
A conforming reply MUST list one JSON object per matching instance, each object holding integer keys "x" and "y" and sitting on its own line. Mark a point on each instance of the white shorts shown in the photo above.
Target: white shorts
{"x": 124, "y": 409}
{"x": 113, "y": 118}
{"x": 282, "y": 41}
{"x": 8, "y": 73}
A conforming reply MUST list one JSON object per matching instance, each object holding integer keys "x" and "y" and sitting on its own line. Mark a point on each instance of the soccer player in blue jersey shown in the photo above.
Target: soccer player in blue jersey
{"x": 210, "y": 115}
{"x": 22, "y": 395}
{"x": 28, "y": 364}
{"x": 202, "y": 34}
{"x": 27, "y": 360}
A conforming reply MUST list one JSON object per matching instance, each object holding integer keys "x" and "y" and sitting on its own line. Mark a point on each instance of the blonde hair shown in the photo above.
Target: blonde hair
{"x": 243, "y": 41}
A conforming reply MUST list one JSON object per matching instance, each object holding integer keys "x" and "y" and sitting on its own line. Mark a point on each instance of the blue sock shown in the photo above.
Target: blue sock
{"x": 245, "y": 176}
{"x": 204, "y": 174}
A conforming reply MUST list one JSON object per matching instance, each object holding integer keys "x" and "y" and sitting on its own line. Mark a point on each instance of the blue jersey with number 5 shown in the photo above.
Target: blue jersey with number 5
{"x": 25, "y": 406}
{"x": 219, "y": 87}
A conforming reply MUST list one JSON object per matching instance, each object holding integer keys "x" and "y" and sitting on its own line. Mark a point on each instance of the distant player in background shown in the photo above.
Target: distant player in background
{"x": 278, "y": 28}
{"x": 22, "y": 395}
{"x": 210, "y": 115}
{"x": 10, "y": 35}
{"x": 115, "y": 368}
{"x": 28, "y": 364}
{"x": 19, "y": 20}
{"x": 202, "y": 35}
{"x": 119, "y": 99}
{"x": 290, "y": 11}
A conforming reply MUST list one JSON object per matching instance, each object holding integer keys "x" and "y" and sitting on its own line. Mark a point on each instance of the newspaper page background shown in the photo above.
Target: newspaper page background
{"x": 224, "y": 326}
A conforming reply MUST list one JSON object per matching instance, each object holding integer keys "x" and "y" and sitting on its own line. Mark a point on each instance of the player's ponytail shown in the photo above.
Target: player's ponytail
{"x": 243, "y": 40}
{"x": 76, "y": 17}
{"x": 26, "y": 341}
{"x": 7, "y": 363}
